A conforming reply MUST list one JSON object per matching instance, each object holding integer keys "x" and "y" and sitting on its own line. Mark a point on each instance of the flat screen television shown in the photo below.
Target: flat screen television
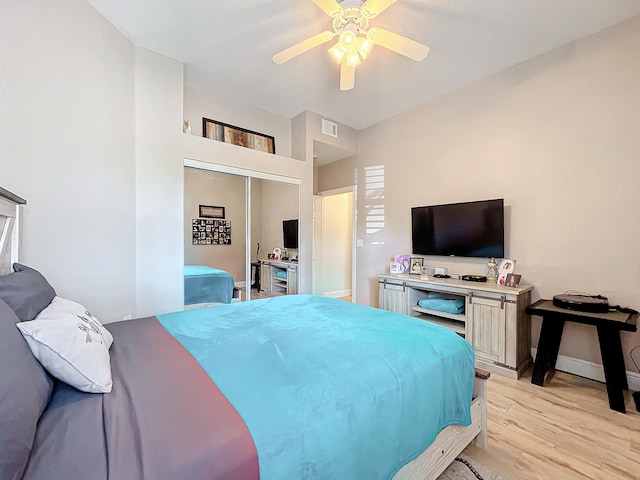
{"x": 470, "y": 229}
{"x": 290, "y": 233}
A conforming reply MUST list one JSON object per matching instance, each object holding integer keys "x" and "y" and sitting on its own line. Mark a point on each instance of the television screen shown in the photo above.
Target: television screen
{"x": 290, "y": 233}
{"x": 471, "y": 229}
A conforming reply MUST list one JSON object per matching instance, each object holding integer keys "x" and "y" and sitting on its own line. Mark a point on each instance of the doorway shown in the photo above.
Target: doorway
{"x": 334, "y": 253}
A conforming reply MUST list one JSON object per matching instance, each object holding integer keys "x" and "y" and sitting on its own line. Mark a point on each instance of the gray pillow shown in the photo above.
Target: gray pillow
{"x": 26, "y": 291}
{"x": 25, "y": 389}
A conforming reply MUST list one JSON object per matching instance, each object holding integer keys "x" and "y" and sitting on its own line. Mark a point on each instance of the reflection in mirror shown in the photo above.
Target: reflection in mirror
{"x": 274, "y": 208}
{"x": 215, "y": 237}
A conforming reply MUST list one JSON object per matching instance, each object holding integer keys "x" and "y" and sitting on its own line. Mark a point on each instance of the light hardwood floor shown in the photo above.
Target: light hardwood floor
{"x": 562, "y": 431}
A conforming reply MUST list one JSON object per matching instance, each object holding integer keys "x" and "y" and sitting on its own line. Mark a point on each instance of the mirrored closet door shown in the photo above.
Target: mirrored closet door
{"x": 274, "y": 237}
{"x": 253, "y": 250}
{"x": 215, "y": 237}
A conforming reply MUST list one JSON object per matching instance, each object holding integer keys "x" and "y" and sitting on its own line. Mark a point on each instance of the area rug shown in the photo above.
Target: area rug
{"x": 468, "y": 469}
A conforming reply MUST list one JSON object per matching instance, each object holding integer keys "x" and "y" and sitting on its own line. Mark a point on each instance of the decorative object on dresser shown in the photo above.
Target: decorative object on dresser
{"x": 223, "y": 132}
{"x": 186, "y": 127}
{"x": 493, "y": 320}
{"x": 404, "y": 261}
{"x": 416, "y": 265}
{"x": 512, "y": 280}
{"x": 492, "y": 271}
{"x": 506, "y": 267}
{"x": 395, "y": 267}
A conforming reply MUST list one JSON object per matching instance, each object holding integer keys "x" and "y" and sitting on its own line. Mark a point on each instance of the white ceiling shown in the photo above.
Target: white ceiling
{"x": 227, "y": 45}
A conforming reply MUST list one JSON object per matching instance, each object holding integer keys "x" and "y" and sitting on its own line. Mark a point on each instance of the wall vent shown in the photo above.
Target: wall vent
{"x": 329, "y": 128}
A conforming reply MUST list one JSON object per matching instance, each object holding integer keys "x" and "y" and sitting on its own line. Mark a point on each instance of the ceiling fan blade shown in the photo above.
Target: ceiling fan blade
{"x": 373, "y": 8}
{"x": 302, "y": 47}
{"x": 330, "y": 7}
{"x": 403, "y": 45}
{"x": 347, "y": 75}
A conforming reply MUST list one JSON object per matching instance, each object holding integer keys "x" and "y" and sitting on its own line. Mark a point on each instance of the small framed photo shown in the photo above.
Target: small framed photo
{"x": 395, "y": 267}
{"x": 209, "y": 211}
{"x": 506, "y": 267}
{"x": 416, "y": 265}
{"x": 403, "y": 260}
{"x": 512, "y": 280}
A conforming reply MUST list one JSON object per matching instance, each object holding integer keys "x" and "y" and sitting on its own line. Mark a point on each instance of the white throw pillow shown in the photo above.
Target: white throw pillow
{"x": 72, "y": 345}
{"x": 60, "y": 307}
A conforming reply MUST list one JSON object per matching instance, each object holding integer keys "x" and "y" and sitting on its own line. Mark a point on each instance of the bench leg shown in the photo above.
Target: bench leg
{"x": 613, "y": 363}
{"x": 548, "y": 347}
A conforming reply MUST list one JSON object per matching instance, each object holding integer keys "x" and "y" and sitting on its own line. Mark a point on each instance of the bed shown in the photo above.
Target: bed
{"x": 204, "y": 284}
{"x": 295, "y": 386}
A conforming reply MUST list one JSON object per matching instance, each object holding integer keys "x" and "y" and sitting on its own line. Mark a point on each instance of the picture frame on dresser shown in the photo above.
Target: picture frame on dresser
{"x": 512, "y": 280}
{"x": 416, "y": 265}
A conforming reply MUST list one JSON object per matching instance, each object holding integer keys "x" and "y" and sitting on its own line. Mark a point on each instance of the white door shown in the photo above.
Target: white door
{"x": 333, "y": 252}
{"x": 316, "y": 253}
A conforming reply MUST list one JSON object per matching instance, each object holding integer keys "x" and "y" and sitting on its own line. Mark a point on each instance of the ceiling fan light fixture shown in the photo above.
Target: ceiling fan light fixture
{"x": 355, "y": 42}
{"x": 353, "y": 58}
{"x": 364, "y": 46}
{"x": 337, "y": 52}
{"x": 348, "y": 38}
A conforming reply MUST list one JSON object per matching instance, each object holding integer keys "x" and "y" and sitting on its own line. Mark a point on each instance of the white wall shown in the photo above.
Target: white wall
{"x": 210, "y": 188}
{"x": 159, "y": 184}
{"x": 67, "y": 146}
{"x": 557, "y": 138}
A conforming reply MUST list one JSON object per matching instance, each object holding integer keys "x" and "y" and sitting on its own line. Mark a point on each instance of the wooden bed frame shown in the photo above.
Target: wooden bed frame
{"x": 9, "y": 229}
{"x": 449, "y": 443}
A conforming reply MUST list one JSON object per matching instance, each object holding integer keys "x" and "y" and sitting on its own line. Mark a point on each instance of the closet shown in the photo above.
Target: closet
{"x": 255, "y": 204}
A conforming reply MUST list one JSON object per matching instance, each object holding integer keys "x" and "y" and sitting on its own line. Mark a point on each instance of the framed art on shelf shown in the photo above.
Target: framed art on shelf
{"x": 223, "y": 132}
{"x": 210, "y": 211}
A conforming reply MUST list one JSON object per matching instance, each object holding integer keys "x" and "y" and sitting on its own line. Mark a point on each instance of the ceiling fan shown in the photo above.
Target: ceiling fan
{"x": 355, "y": 38}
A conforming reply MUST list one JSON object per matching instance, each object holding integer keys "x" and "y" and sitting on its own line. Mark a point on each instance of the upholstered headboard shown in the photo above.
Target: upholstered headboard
{"x": 10, "y": 204}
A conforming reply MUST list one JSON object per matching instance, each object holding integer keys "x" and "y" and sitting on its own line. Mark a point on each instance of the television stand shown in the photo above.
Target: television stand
{"x": 494, "y": 320}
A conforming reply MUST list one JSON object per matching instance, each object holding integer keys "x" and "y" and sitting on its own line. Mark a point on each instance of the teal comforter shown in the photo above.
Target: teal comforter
{"x": 330, "y": 389}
